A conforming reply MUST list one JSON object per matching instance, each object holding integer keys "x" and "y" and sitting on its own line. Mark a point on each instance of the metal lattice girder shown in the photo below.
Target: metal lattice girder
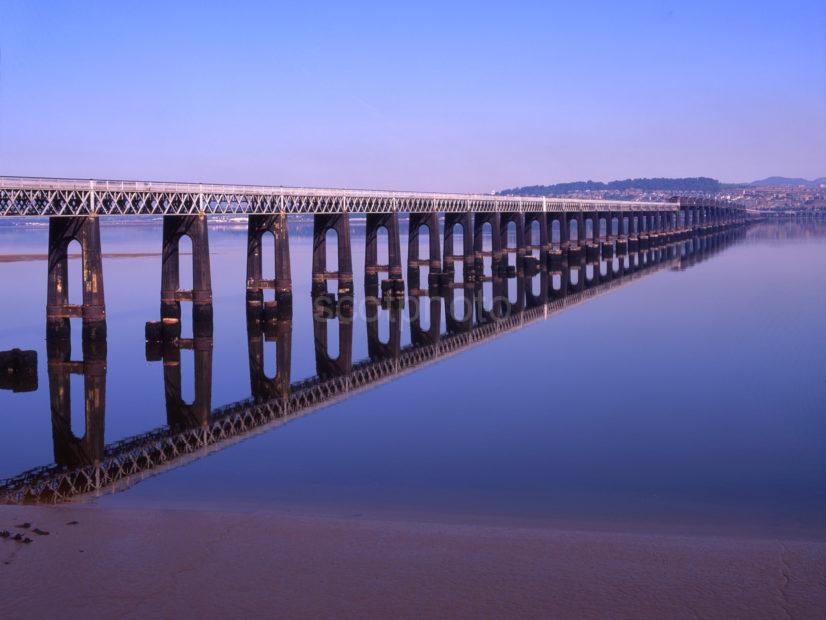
{"x": 33, "y": 197}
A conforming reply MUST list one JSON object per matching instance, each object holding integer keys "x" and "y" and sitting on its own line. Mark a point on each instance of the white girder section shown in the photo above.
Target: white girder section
{"x": 34, "y": 197}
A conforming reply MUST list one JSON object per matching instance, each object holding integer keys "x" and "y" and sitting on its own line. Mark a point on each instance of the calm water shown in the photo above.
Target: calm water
{"x": 688, "y": 398}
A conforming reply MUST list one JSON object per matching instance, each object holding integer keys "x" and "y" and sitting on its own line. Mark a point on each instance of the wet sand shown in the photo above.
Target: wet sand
{"x": 185, "y": 563}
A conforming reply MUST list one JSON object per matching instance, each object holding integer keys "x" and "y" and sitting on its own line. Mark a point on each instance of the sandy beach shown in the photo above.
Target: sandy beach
{"x": 102, "y": 563}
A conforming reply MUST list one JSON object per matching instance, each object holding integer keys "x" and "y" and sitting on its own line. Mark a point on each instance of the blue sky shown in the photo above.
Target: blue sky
{"x": 461, "y": 96}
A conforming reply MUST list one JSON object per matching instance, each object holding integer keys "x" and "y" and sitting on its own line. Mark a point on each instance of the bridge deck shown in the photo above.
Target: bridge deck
{"x": 42, "y": 197}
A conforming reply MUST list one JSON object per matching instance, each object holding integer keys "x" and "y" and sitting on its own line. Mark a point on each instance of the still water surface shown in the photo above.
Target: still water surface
{"x": 688, "y": 399}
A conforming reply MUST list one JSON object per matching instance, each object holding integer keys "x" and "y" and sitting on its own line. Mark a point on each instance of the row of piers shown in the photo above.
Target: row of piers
{"x": 493, "y": 244}
{"x": 464, "y": 308}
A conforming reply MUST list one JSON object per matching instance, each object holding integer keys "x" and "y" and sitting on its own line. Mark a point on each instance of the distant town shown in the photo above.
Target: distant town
{"x": 778, "y": 195}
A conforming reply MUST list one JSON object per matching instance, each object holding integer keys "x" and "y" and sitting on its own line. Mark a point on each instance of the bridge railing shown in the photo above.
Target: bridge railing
{"x": 29, "y": 196}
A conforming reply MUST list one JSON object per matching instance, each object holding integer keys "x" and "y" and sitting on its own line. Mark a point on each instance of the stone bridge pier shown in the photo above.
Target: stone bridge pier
{"x": 433, "y": 260}
{"x": 479, "y": 252}
{"x": 340, "y": 224}
{"x": 258, "y": 226}
{"x": 176, "y": 227}
{"x": 463, "y": 220}
{"x": 557, "y": 251}
{"x": 539, "y": 244}
{"x": 394, "y": 285}
{"x": 86, "y": 231}
{"x": 576, "y": 250}
{"x": 518, "y": 249}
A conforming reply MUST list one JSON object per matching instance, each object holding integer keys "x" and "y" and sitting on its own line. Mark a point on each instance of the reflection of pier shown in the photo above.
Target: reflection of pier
{"x": 71, "y": 451}
{"x": 84, "y": 466}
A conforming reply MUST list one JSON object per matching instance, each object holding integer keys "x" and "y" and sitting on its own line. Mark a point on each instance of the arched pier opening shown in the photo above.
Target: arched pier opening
{"x": 268, "y": 259}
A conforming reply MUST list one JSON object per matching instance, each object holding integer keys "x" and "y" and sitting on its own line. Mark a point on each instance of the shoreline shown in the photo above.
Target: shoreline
{"x": 127, "y": 561}
{"x": 666, "y": 519}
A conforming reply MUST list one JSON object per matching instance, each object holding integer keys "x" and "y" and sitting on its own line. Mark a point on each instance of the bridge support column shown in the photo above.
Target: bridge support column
{"x": 466, "y": 258}
{"x": 579, "y": 218}
{"x": 479, "y": 253}
{"x": 564, "y": 230}
{"x": 259, "y": 225}
{"x": 575, "y": 251}
{"x": 340, "y": 223}
{"x": 395, "y": 284}
{"x": 541, "y": 243}
{"x": 518, "y": 249}
{"x": 433, "y": 261}
{"x": 86, "y": 231}
{"x": 557, "y": 251}
{"x": 174, "y": 228}
{"x": 597, "y": 228}
{"x": 646, "y": 229}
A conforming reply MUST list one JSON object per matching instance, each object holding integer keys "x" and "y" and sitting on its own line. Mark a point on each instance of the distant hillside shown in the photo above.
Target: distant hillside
{"x": 692, "y": 184}
{"x": 788, "y": 181}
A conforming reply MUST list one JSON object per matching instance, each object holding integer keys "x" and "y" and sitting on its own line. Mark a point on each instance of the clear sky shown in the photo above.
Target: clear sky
{"x": 452, "y": 96}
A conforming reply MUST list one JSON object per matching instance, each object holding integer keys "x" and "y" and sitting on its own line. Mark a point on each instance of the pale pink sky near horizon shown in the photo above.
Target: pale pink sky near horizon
{"x": 465, "y": 97}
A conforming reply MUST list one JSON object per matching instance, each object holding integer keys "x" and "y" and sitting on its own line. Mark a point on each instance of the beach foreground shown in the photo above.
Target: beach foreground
{"x": 134, "y": 563}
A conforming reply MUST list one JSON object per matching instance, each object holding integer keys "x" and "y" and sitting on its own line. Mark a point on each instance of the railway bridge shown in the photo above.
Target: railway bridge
{"x": 499, "y": 236}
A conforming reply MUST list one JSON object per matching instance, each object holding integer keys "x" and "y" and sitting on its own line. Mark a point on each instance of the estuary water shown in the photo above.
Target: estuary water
{"x": 688, "y": 399}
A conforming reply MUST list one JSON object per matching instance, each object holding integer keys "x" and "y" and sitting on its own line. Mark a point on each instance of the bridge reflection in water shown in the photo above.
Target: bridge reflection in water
{"x": 537, "y": 286}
